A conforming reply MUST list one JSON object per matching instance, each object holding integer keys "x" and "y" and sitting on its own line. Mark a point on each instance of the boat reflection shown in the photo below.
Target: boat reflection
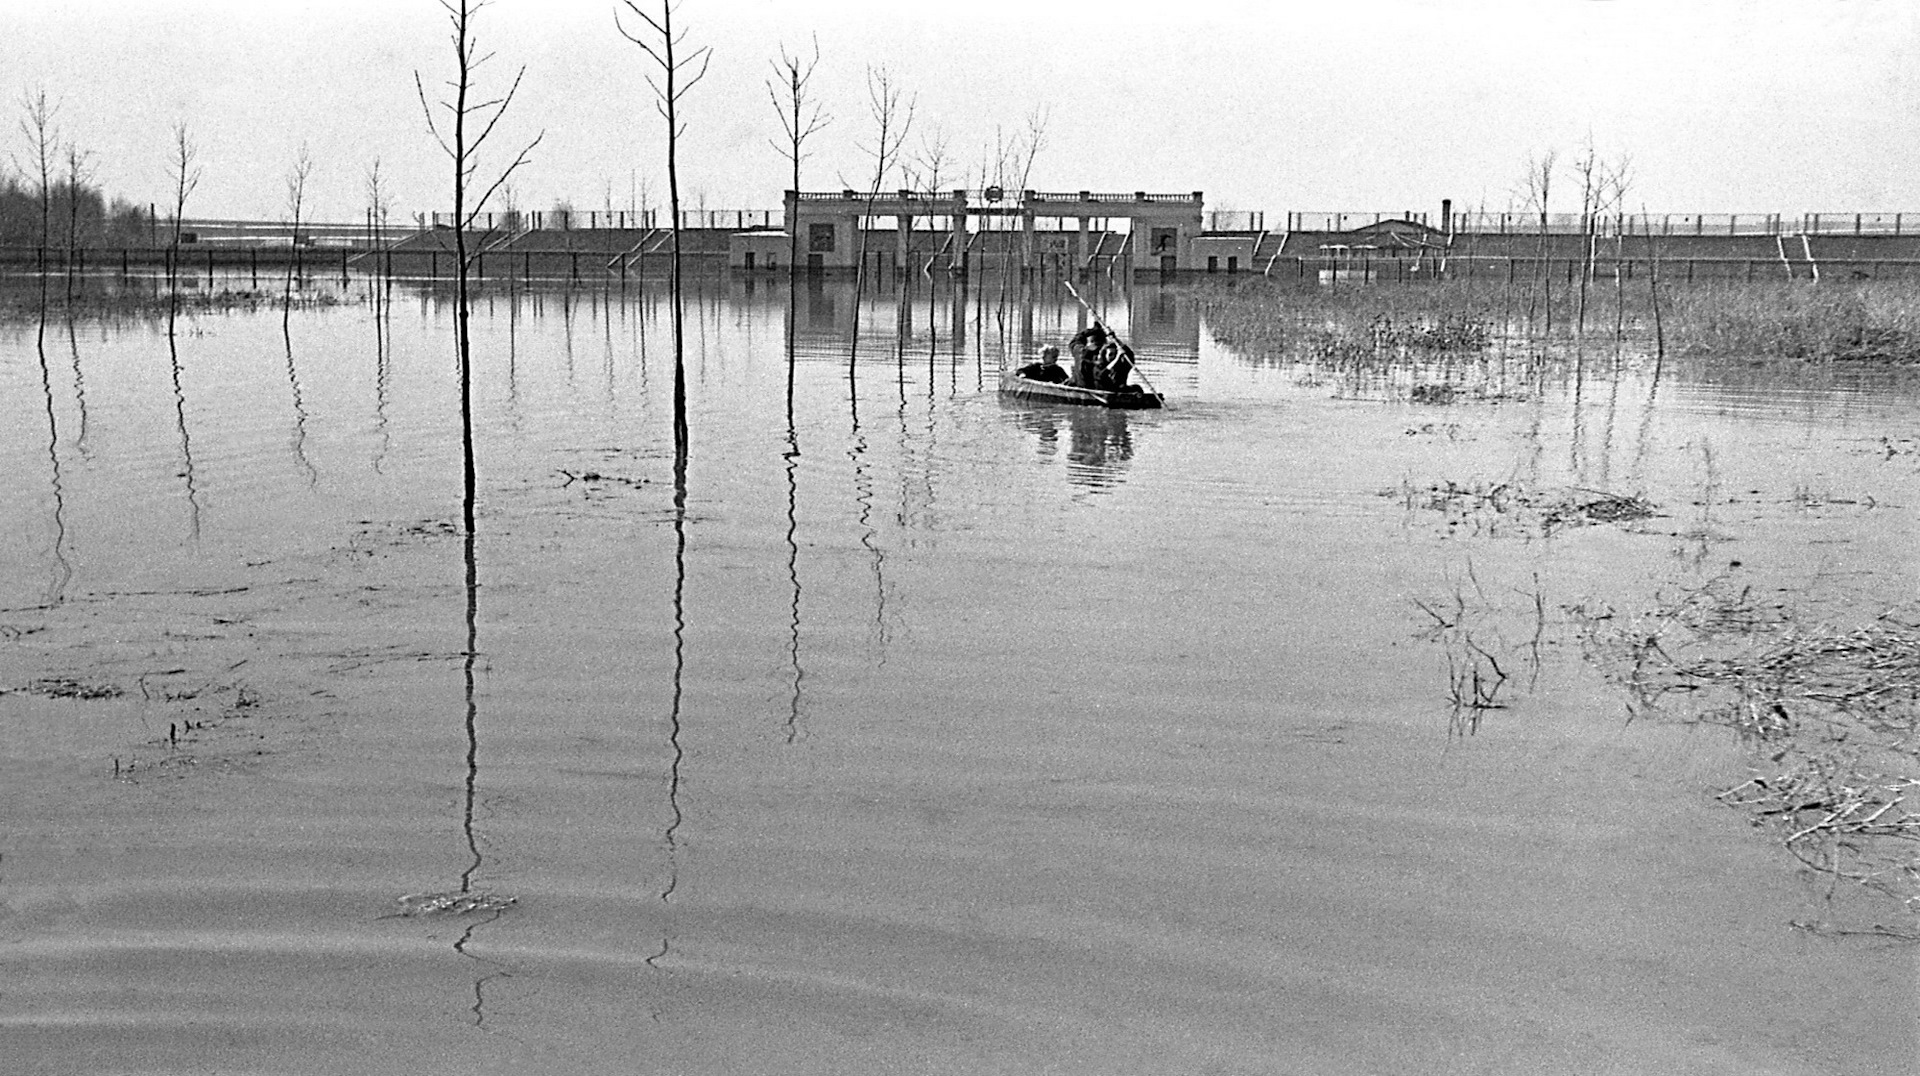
{"x": 1098, "y": 441}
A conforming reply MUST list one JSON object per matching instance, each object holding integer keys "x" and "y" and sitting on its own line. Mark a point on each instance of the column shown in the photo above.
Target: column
{"x": 956, "y": 259}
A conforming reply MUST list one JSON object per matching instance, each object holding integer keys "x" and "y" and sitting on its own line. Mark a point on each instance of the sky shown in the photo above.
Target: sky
{"x": 1717, "y": 106}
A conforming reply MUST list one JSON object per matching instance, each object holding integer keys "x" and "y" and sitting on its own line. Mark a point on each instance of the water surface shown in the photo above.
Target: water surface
{"x": 920, "y": 732}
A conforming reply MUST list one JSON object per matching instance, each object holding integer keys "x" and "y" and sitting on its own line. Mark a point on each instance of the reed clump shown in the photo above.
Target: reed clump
{"x": 1746, "y": 322}
{"x": 1832, "y": 713}
{"x": 1798, "y": 321}
{"x": 1348, "y": 328}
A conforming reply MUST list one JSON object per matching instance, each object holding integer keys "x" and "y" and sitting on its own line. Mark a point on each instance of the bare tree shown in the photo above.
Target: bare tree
{"x": 79, "y": 174}
{"x": 927, "y": 172}
{"x": 801, "y": 117}
{"x": 1539, "y": 189}
{"x": 186, "y": 176}
{"x": 379, "y": 204}
{"x": 469, "y": 120}
{"x": 1616, "y": 182}
{"x": 1035, "y": 139}
{"x": 42, "y": 153}
{"x": 296, "y": 202}
{"x": 674, "y": 74}
{"x": 1653, "y": 294}
{"x": 1588, "y": 168}
{"x": 379, "y": 289}
{"x": 1026, "y": 151}
{"x": 891, "y": 110}
{"x": 510, "y": 207}
{"x": 379, "y": 212}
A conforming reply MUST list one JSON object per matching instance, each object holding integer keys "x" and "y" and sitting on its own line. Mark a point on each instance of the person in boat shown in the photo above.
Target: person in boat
{"x": 1086, "y": 346}
{"x": 1116, "y": 365}
{"x": 1047, "y": 369}
{"x": 1101, "y": 361}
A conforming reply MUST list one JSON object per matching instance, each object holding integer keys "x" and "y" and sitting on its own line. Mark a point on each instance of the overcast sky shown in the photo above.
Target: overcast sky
{"x": 1722, "y": 105}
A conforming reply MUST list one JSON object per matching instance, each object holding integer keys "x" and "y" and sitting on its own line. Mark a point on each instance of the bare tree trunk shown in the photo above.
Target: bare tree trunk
{"x": 79, "y": 173}
{"x": 890, "y": 133}
{"x": 186, "y": 176}
{"x": 43, "y": 145}
{"x": 1653, "y": 292}
{"x": 660, "y": 44}
{"x": 1617, "y": 181}
{"x": 1539, "y": 190}
{"x": 296, "y": 202}
{"x": 462, "y": 150}
{"x": 379, "y": 207}
{"x": 800, "y": 118}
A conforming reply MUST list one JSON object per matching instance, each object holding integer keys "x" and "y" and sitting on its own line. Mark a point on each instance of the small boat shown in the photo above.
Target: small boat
{"x": 1131, "y": 398}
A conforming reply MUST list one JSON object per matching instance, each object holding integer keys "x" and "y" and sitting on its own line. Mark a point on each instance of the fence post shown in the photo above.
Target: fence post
{"x": 1856, "y": 224}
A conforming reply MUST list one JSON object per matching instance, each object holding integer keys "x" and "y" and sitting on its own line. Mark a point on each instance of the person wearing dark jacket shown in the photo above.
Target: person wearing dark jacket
{"x": 1086, "y": 346}
{"x": 1115, "y": 367}
{"x": 1047, "y": 369}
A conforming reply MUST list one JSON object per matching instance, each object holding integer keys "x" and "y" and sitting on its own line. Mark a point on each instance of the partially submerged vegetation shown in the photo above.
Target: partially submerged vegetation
{"x": 1825, "y": 705}
{"x": 1456, "y": 322}
{"x": 140, "y": 299}
{"x": 1511, "y": 508}
{"x": 1812, "y": 323}
{"x": 1831, "y": 710}
{"x": 1284, "y": 321}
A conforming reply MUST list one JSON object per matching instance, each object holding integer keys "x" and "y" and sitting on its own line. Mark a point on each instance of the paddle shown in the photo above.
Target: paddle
{"x": 1114, "y": 336}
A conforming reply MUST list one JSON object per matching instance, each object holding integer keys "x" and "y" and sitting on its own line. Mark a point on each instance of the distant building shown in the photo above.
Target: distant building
{"x": 759, "y": 249}
{"x": 1387, "y": 238}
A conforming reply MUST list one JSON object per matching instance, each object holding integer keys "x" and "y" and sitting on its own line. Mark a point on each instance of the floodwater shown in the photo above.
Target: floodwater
{"x": 920, "y": 732}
